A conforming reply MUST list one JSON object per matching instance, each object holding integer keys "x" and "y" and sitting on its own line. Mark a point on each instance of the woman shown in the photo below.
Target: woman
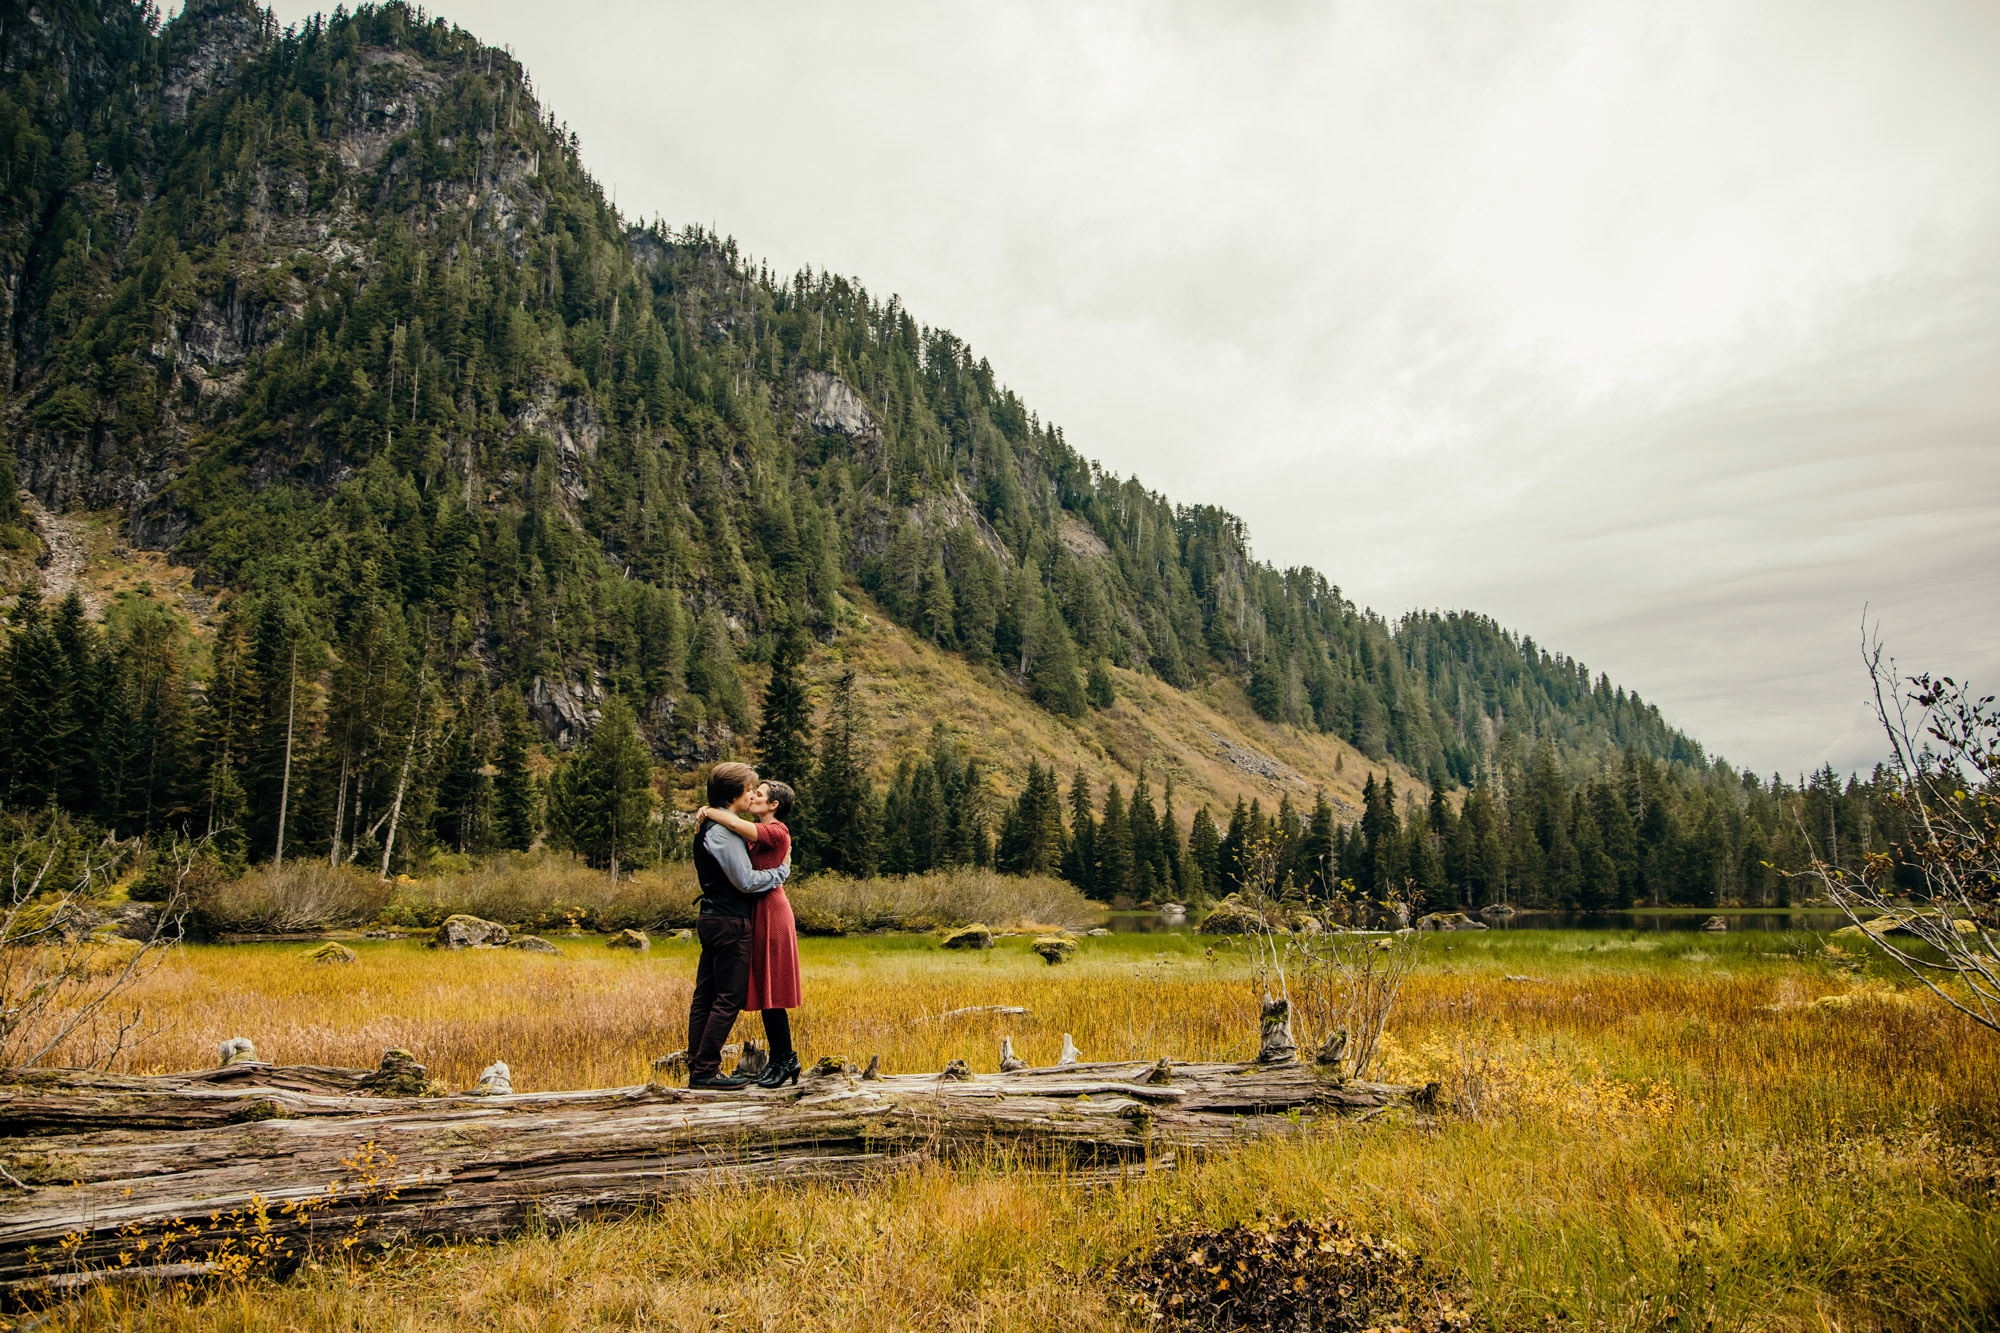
{"x": 774, "y": 933}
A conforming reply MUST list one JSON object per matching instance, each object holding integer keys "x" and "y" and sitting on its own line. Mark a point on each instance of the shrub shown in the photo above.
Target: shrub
{"x": 549, "y": 891}
{"x": 302, "y": 895}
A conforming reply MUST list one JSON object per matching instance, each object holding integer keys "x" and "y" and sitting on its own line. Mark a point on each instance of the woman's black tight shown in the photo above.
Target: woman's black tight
{"x": 778, "y": 1027}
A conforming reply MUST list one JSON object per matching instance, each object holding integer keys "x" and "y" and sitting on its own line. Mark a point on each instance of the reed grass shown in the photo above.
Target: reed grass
{"x": 1653, "y": 1132}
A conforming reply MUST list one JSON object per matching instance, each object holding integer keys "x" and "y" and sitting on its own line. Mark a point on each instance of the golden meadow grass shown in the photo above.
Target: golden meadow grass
{"x": 1669, "y": 1135}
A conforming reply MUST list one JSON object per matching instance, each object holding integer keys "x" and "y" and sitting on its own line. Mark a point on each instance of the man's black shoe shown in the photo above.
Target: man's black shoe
{"x": 722, "y": 1082}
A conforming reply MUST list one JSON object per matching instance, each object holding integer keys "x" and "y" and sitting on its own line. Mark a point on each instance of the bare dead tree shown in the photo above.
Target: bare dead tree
{"x": 1939, "y": 880}
{"x": 62, "y": 978}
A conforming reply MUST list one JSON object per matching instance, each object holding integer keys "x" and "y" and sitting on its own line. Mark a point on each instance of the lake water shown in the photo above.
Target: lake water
{"x": 1822, "y": 921}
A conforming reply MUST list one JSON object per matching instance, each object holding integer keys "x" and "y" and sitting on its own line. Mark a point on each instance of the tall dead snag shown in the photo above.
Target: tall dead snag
{"x": 300, "y": 1158}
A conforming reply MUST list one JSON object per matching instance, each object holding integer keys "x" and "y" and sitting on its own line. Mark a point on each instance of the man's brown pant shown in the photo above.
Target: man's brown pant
{"x": 721, "y": 984}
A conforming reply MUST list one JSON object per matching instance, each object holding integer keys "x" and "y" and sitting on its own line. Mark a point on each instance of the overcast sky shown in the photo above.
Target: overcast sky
{"x": 1666, "y": 333}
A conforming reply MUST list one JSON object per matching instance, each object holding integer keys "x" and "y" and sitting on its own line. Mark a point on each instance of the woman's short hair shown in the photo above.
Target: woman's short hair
{"x": 782, "y": 797}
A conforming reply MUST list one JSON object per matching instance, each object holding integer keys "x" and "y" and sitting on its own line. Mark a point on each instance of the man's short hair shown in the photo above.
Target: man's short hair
{"x": 782, "y": 797}
{"x": 728, "y": 781}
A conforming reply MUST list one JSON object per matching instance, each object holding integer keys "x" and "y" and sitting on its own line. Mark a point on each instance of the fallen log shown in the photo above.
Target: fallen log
{"x": 148, "y": 1175}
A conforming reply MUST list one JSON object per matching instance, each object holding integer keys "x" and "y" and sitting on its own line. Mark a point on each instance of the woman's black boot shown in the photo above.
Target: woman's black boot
{"x": 781, "y": 1072}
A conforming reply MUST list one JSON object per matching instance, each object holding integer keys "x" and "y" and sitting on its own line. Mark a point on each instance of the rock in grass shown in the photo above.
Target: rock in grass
{"x": 1098, "y": 932}
{"x": 1449, "y": 921}
{"x": 1053, "y": 948}
{"x": 974, "y": 936}
{"x": 496, "y": 1080}
{"x": 236, "y": 1051}
{"x": 333, "y": 951}
{"x": 1895, "y": 923}
{"x": 460, "y": 931}
{"x": 630, "y": 939}
{"x": 1233, "y": 916}
{"x": 533, "y": 944}
{"x": 398, "y": 1076}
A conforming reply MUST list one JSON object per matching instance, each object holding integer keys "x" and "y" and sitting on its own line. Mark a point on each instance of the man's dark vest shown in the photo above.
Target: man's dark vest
{"x": 718, "y": 895}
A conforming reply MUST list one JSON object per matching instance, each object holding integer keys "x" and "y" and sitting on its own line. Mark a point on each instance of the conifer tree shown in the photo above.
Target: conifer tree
{"x": 1079, "y": 864}
{"x": 1204, "y": 850}
{"x": 1098, "y": 690}
{"x": 785, "y": 736}
{"x": 602, "y": 796}
{"x": 1052, "y": 674}
{"x": 846, "y": 816}
{"x": 1318, "y": 870}
{"x": 514, "y": 784}
{"x": 1114, "y": 847}
{"x": 40, "y": 728}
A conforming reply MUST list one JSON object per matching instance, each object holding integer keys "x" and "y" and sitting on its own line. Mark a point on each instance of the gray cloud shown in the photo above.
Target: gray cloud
{"x": 1666, "y": 333}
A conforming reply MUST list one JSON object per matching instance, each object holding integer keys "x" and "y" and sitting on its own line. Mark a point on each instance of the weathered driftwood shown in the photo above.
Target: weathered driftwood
{"x": 300, "y": 1157}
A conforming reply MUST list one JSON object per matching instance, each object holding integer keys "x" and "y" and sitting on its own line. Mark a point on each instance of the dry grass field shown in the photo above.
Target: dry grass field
{"x": 1650, "y": 1131}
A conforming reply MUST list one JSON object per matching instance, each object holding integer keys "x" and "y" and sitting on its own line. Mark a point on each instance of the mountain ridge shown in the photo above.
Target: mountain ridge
{"x": 366, "y": 334}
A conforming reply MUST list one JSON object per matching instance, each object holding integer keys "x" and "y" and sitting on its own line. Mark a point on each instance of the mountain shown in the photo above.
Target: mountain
{"x": 335, "y": 316}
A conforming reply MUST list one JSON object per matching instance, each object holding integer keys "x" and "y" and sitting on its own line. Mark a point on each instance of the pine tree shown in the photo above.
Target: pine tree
{"x": 1114, "y": 848}
{"x": 785, "y": 736}
{"x": 1098, "y": 690}
{"x": 514, "y": 784}
{"x": 1317, "y": 869}
{"x": 846, "y": 818}
{"x": 1052, "y": 674}
{"x": 1204, "y": 849}
{"x": 40, "y": 728}
{"x": 711, "y": 672}
{"x": 602, "y": 796}
{"x": 1079, "y": 865}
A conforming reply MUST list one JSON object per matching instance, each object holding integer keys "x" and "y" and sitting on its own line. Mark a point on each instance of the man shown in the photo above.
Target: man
{"x": 729, "y": 889}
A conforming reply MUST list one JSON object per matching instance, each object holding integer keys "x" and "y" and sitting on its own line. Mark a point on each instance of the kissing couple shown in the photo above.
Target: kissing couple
{"x": 749, "y": 938}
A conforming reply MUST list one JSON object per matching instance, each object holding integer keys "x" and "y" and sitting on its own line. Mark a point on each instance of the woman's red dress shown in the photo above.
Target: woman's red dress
{"x": 774, "y": 933}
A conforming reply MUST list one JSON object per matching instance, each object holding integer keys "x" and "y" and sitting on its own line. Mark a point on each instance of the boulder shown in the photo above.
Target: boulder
{"x": 333, "y": 951}
{"x": 139, "y": 921}
{"x": 683, "y": 934}
{"x": 1171, "y": 910}
{"x": 1497, "y": 912}
{"x": 1232, "y": 916}
{"x": 1098, "y": 932}
{"x": 1304, "y": 923}
{"x": 532, "y": 944}
{"x": 1386, "y": 916}
{"x": 1053, "y": 948}
{"x": 1895, "y": 923}
{"x": 1715, "y": 924}
{"x": 1449, "y": 921}
{"x": 399, "y": 1075}
{"x": 974, "y": 936}
{"x": 236, "y": 1051}
{"x": 460, "y": 931}
{"x": 496, "y": 1080}
{"x": 634, "y": 940}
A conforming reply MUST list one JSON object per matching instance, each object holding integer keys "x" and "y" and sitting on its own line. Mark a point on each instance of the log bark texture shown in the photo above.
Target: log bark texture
{"x": 150, "y": 1175}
